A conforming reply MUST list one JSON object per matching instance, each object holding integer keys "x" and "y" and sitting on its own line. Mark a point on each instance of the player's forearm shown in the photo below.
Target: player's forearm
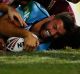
{"x": 12, "y": 31}
{"x": 43, "y": 21}
{"x": 7, "y": 28}
{"x": 21, "y": 33}
{"x": 38, "y": 25}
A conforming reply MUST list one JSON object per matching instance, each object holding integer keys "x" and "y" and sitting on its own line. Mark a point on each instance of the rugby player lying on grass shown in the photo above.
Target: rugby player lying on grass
{"x": 44, "y": 36}
{"x": 46, "y": 30}
{"x": 37, "y": 9}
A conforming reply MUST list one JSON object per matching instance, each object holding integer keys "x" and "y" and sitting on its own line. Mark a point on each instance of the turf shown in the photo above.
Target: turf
{"x": 47, "y": 62}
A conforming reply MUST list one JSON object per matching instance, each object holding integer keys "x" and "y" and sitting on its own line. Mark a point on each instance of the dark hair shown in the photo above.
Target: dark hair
{"x": 70, "y": 39}
{"x": 68, "y": 20}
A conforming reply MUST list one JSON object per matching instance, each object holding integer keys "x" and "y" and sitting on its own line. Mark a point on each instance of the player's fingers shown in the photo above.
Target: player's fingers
{"x": 22, "y": 22}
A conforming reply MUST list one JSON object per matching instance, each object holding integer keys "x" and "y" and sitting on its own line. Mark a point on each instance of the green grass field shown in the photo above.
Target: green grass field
{"x": 47, "y": 62}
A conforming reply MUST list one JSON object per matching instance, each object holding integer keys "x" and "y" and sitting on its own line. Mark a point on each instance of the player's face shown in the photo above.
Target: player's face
{"x": 53, "y": 29}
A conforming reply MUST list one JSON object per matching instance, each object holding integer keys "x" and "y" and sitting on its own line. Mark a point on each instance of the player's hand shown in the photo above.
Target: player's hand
{"x": 30, "y": 43}
{"x": 13, "y": 13}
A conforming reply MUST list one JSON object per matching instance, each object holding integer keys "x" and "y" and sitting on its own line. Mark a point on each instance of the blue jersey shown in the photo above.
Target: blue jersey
{"x": 32, "y": 13}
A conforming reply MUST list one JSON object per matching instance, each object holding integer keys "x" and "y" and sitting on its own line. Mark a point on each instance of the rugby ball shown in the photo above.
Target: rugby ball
{"x": 15, "y": 44}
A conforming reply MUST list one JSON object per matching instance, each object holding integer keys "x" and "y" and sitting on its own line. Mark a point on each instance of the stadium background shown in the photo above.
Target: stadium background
{"x": 76, "y": 9}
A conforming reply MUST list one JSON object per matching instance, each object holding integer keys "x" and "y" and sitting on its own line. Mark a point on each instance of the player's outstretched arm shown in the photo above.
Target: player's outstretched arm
{"x": 7, "y": 28}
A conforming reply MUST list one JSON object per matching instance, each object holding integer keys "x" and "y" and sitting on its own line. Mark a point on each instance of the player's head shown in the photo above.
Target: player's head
{"x": 61, "y": 24}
